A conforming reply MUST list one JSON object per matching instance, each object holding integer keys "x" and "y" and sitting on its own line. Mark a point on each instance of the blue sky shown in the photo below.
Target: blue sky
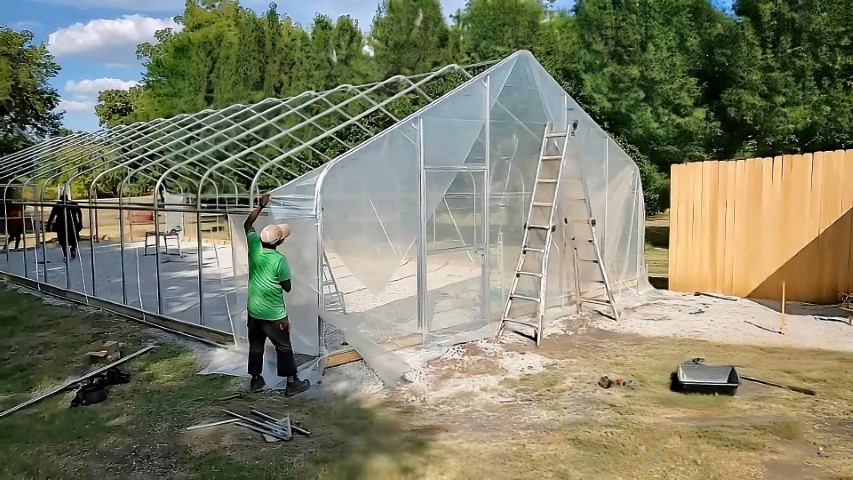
{"x": 95, "y": 40}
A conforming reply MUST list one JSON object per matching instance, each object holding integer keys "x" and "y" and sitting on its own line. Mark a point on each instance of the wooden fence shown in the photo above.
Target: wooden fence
{"x": 743, "y": 227}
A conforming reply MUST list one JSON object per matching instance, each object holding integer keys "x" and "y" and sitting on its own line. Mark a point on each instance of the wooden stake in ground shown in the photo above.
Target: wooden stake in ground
{"x": 783, "y": 328}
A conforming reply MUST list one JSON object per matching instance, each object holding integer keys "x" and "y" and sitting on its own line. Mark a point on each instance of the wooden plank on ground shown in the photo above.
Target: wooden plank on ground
{"x": 341, "y": 357}
{"x": 349, "y": 355}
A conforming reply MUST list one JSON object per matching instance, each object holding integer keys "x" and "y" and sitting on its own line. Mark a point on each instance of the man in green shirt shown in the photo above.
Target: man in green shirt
{"x": 269, "y": 274}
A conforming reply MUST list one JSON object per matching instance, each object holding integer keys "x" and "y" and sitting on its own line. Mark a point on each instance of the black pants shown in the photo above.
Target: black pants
{"x": 279, "y": 334}
{"x": 67, "y": 239}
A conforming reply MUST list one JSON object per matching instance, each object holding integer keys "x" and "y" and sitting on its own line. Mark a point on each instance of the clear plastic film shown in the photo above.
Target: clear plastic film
{"x": 458, "y": 176}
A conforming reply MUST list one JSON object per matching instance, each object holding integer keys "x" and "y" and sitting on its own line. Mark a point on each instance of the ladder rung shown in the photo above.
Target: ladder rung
{"x": 522, "y": 322}
{"x": 516, "y": 296}
{"x": 595, "y": 301}
{"x": 543, "y": 204}
{"x": 529, "y": 274}
{"x": 537, "y": 250}
{"x": 552, "y": 157}
{"x": 579, "y": 220}
{"x": 540, "y": 227}
{"x": 547, "y": 180}
{"x": 557, "y": 135}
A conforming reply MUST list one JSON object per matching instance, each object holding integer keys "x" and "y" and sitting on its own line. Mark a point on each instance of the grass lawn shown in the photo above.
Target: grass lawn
{"x": 569, "y": 429}
{"x": 657, "y": 245}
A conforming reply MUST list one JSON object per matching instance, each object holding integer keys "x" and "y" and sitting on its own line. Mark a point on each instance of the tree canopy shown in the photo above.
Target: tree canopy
{"x": 671, "y": 80}
{"x": 27, "y": 101}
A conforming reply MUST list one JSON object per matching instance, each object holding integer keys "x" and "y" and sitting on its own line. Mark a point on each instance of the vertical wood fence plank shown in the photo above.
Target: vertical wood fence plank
{"x": 695, "y": 209}
{"x": 731, "y": 195}
{"x": 847, "y": 204}
{"x": 720, "y": 241}
{"x": 676, "y": 180}
{"x": 713, "y": 203}
{"x": 843, "y": 226}
{"x": 764, "y": 264}
{"x": 802, "y": 171}
{"x": 704, "y": 230}
{"x": 741, "y": 210}
{"x": 830, "y": 213}
{"x": 752, "y": 245}
{"x": 815, "y": 257}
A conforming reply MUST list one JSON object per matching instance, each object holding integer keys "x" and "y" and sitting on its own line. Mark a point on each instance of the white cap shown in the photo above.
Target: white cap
{"x": 273, "y": 234}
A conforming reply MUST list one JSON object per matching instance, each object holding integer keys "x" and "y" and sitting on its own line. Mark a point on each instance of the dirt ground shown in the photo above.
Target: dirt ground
{"x": 491, "y": 409}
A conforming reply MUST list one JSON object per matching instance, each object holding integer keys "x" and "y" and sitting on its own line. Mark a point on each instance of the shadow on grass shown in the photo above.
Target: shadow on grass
{"x": 657, "y": 236}
{"x": 139, "y": 432}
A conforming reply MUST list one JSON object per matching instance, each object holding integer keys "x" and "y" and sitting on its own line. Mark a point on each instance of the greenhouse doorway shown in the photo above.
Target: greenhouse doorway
{"x": 456, "y": 257}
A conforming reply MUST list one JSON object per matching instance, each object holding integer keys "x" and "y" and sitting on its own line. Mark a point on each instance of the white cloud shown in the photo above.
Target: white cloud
{"x": 76, "y": 106}
{"x": 90, "y": 88}
{"x": 134, "y": 5}
{"x": 81, "y": 97}
{"x": 174, "y": 6}
{"x": 112, "y": 40}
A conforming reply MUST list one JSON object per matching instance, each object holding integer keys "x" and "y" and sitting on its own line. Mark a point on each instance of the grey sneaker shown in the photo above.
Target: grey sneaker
{"x": 296, "y": 387}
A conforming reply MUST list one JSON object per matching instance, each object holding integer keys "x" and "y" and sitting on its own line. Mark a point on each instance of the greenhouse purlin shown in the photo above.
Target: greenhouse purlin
{"x": 406, "y": 228}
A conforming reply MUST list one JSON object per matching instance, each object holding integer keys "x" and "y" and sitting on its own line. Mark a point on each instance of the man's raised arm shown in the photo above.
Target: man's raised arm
{"x": 262, "y": 203}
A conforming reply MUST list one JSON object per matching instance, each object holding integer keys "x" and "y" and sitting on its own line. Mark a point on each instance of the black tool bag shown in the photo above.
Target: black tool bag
{"x": 95, "y": 389}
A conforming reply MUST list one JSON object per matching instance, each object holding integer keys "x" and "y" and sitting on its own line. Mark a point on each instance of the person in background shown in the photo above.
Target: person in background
{"x": 16, "y": 226}
{"x": 66, "y": 219}
{"x": 269, "y": 274}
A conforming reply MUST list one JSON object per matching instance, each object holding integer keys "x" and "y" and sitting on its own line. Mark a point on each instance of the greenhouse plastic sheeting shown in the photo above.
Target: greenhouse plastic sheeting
{"x": 421, "y": 226}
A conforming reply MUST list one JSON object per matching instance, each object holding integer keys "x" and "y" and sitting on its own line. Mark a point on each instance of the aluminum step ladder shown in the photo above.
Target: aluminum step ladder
{"x": 538, "y": 236}
{"x": 556, "y": 147}
{"x": 333, "y": 299}
{"x": 597, "y": 278}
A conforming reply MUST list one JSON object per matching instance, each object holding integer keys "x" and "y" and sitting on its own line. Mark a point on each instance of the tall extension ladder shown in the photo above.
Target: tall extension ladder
{"x": 539, "y": 233}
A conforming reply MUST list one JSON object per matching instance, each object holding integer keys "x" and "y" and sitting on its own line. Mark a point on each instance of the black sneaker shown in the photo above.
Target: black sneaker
{"x": 296, "y": 387}
{"x": 257, "y": 384}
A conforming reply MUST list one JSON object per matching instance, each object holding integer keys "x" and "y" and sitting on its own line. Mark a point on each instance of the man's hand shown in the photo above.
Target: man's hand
{"x": 262, "y": 203}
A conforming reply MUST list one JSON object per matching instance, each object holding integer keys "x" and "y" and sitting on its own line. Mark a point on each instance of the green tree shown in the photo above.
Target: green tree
{"x": 27, "y": 101}
{"x": 114, "y": 107}
{"x": 493, "y": 29}
{"x": 798, "y": 93}
{"x": 409, "y": 36}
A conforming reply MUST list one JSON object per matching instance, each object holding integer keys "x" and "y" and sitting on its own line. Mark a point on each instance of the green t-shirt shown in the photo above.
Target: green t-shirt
{"x": 267, "y": 269}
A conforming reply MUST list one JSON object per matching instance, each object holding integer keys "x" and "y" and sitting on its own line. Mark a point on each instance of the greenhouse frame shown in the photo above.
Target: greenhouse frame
{"x": 407, "y": 200}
